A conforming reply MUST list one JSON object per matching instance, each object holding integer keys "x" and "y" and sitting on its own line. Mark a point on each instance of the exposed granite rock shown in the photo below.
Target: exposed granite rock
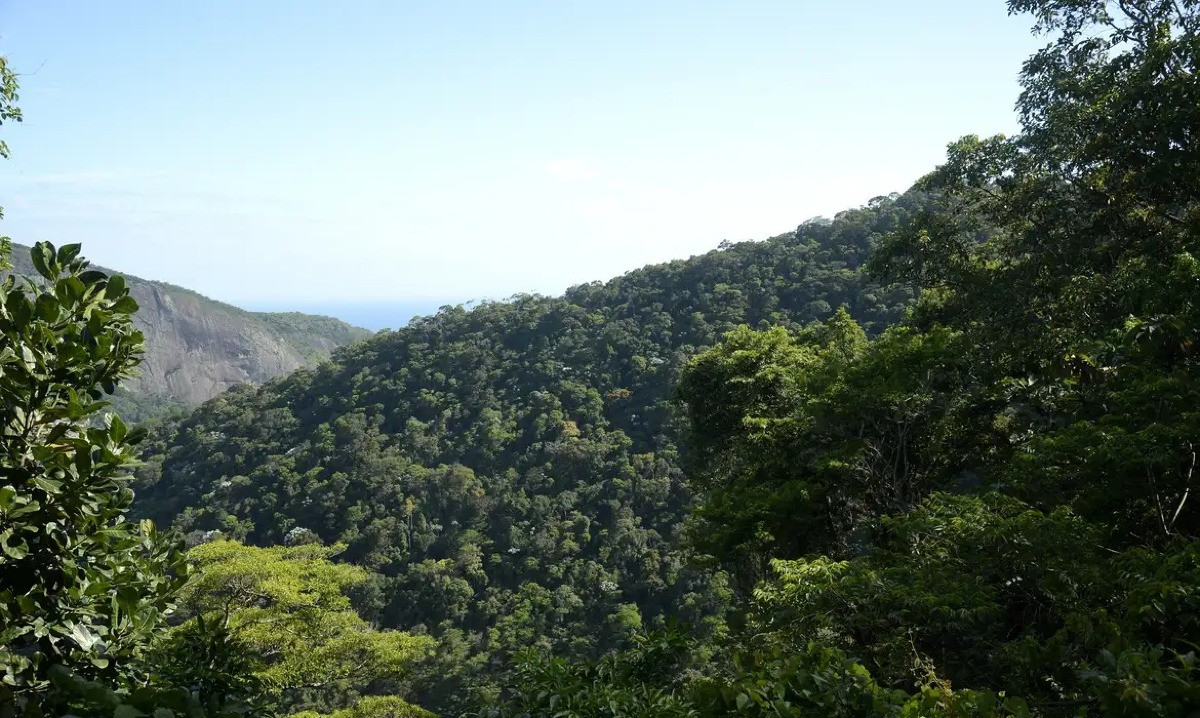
{"x": 197, "y": 348}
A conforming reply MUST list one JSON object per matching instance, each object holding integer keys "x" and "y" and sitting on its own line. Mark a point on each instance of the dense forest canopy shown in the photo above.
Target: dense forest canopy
{"x": 935, "y": 457}
{"x": 986, "y": 509}
{"x": 512, "y": 472}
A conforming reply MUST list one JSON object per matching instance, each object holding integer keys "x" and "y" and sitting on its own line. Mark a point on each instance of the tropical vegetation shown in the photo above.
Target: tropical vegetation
{"x": 933, "y": 457}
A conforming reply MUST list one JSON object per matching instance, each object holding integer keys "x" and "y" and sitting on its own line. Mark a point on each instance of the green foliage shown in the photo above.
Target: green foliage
{"x": 263, "y": 630}
{"x": 982, "y": 511}
{"x": 310, "y": 334}
{"x": 215, "y": 664}
{"x": 800, "y": 443}
{"x": 141, "y": 408}
{"x": 82, "y": 591}
{"x": 373, "y": 707}
{"x": 986, "y": 593}
{"x": 286, "y": 610}
{"x": 79, "y": 585}
{"x": 1079, "y": 310}
{"x": 646, "y": 682}
{"x": 94, "y": 699}
{"x": 9, "y": 112}
{"x": 977, "y": 591}
{"x": 635, "y": 683}
{"x": 988, "y": 506}
{"x": 511, "y": 472}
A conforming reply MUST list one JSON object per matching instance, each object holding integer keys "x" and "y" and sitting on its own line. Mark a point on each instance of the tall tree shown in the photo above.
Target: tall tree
{"x": 1041, "y": 400}
{"x": 9, "y": 112}
{"x": 82, "y": 590}
{"x": 80, "y": 585}
{"x": 287, "y": 611}
{"x": 1082, "y": 308}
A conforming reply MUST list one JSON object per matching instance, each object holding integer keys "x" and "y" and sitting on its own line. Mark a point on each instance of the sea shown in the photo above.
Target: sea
{"x": 376, "y": 316}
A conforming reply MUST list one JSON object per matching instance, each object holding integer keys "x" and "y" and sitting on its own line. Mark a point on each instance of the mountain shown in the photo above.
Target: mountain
{"x": 511, "y": 472}
{"x": 197, "y": 348}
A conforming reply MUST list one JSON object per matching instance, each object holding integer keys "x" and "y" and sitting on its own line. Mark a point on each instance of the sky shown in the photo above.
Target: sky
{"x": 301, "y": 153}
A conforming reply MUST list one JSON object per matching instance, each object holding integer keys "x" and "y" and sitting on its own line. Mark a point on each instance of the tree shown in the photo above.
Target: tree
{"x": 287, "y": 610}
{"x": 374, "y": 707}
{"x": 1031, "y": 542}
{"x": 801, "y": 442}
{"x": 513, "y": 472}
{"x": 635, "y": 683}
{"x": 80, "y": 586}
{"x": 1080, "y": 306}
{"x": 9, "y": 112}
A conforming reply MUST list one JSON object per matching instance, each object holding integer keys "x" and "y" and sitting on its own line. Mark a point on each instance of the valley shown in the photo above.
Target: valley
{"x": 934, "y": 457}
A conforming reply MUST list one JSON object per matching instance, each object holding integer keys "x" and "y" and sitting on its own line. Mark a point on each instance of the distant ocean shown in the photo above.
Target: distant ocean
{"x": 368, "y": 315}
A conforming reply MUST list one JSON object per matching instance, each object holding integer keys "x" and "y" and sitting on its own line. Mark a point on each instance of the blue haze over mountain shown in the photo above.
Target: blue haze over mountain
{"x": 375, "y": 315}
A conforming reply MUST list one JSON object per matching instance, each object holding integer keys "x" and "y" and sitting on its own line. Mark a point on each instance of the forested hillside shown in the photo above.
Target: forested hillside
{"x": 512, "y": 472}
{"x": 197, "y": 347}
{"x": 987, "y": 509}
{"x": 935, "y": 458}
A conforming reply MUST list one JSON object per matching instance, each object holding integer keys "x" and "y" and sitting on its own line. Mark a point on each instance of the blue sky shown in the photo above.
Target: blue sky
{"x": 270, "y": 152}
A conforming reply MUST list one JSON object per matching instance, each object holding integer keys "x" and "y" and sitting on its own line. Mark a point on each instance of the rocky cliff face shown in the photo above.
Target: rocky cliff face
{"x": 197, "y": 348}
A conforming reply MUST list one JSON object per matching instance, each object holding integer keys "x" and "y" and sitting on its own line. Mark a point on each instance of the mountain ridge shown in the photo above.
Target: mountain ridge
{"x": 197, "y": 347}
{"x": 512, "y": 472}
